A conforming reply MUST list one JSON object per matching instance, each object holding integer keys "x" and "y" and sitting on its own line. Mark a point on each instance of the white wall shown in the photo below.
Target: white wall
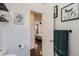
{"x": 1, "y": 36}
{"x": 20, "y": 34}
{"x": 72, "y": 25}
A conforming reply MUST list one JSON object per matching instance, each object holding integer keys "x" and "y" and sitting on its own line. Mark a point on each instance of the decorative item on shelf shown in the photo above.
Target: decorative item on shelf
{"x": 70, "y": 12}
{"x": 3, "y": 7}
{"x": 2, "y": 19}
{"x": 4, "y": 16}
{"x": 18, "y": 18}
{"x": 55, "y": 11}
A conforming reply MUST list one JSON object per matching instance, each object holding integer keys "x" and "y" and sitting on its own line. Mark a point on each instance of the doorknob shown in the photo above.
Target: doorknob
{"x": 51, "y": 40}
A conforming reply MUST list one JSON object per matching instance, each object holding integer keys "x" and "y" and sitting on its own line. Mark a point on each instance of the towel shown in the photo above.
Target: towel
{"x": 61, "y": 42}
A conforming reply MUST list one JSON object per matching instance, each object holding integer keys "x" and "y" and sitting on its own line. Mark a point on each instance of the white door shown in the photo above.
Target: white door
{"x": 47, "y": 36}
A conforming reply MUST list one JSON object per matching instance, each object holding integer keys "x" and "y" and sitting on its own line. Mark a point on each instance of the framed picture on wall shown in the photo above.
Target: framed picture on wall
{"x": 18, "y": 18}
{"x": 70, "y": 12}
{"x": 55, "y": 11}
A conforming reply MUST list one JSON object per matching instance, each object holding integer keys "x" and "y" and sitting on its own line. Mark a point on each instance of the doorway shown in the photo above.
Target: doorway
{"x": 35, "y": 34}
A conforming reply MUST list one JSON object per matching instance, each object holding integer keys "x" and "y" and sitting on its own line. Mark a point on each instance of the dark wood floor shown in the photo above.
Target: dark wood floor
{"x": 37, "y": 51}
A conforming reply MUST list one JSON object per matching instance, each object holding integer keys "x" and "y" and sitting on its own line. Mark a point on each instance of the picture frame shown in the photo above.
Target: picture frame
{"x": 69, "y": 13}
{"x": 18, "y": 18}
{"x": 55, "y": 11}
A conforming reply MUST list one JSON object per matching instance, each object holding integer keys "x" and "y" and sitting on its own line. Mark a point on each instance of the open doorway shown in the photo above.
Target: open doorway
{"x": 35, "y": 34}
